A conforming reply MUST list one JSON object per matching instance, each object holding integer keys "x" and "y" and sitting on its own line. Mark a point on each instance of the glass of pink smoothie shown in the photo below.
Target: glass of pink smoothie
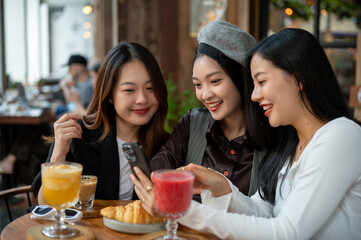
{"x": 173, "y": 195}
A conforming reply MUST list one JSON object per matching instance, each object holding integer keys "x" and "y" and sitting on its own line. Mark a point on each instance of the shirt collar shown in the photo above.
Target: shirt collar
{"x": 215, "y": 132}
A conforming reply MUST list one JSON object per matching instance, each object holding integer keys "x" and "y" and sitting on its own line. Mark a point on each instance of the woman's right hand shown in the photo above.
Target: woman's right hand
{"x": 207, "y": 179}
{"x": 65, "y": 129}
{"x": 143, "y": 187}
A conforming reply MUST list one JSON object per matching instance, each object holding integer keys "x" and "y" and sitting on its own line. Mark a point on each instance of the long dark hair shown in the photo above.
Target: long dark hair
{"x": 101, "y": 111}
{"x": 236, "y": 71}
{"x": 298, "y": 53}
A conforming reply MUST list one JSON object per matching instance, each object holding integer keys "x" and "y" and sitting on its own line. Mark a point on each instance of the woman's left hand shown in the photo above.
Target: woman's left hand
{"x": 143, "y": 186}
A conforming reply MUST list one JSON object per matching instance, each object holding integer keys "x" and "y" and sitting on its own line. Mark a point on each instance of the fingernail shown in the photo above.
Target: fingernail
{"x": 136, "y": 169}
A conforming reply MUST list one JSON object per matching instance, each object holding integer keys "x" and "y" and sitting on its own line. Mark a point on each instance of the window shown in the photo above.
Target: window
{"x": 39, "y": 37}
{"x": 334, "y": 23}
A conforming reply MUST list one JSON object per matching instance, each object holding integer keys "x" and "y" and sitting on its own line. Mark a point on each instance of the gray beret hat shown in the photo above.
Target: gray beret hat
{"x": 227, "y": 38}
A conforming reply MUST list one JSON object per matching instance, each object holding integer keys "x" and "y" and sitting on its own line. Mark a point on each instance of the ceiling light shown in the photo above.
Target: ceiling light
{"x": 87, "y": 9}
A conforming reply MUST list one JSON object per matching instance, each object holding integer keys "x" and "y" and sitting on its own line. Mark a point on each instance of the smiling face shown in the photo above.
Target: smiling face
{"x": 133, "y": 97}
{"x": 277, "y": 92}
{"x": 215, "y": 89}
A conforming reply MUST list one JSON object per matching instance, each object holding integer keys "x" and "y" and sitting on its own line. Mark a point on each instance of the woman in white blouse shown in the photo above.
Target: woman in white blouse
{"x": 310, "y": 178}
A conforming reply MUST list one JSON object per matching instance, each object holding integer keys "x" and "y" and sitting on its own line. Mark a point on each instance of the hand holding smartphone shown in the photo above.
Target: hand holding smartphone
{"x": 136, "y": 157}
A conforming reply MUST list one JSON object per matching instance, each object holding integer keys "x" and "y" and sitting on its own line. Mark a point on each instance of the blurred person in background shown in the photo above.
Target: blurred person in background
{"x": 76, "y": 84}
{"x": 29, "y": 148}
{"x": 73, "y": 96}
{"x": 94, "y": 72}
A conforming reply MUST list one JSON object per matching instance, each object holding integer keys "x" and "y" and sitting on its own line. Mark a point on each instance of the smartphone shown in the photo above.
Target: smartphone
{"x": 136, "y": 157}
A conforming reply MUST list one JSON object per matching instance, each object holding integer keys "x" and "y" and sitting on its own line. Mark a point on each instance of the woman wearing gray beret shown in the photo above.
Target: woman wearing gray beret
{"x": 215, "y": 136}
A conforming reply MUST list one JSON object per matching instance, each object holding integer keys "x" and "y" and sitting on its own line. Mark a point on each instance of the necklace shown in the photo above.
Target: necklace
{"x": 301, "y": 147}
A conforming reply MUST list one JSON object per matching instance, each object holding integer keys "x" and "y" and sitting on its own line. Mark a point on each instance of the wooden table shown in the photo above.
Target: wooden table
{"x": 17, "y": 229}
{"x": 29, "y": 117}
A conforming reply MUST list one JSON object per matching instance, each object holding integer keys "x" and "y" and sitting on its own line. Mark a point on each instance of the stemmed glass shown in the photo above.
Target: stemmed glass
{"x": 61, "y": 190}
{"x": 173, "y": 195}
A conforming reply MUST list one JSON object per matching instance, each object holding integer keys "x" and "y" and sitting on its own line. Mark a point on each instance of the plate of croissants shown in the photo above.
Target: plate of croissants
{"x": 131, "y": 218}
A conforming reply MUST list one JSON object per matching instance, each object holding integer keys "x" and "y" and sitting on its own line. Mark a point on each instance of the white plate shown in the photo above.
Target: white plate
{"x": 133, "y": 228}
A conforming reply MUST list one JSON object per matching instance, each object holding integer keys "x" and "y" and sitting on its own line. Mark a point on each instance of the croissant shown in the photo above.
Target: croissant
{"x": 130, "y": 213}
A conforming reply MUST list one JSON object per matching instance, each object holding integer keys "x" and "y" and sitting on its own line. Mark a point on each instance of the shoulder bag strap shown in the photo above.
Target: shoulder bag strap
{"x": 257, "y": 158}
{"x": 197, "y": 135}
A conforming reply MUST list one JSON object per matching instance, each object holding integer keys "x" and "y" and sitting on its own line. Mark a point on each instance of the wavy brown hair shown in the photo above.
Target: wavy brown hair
{"x": 101, "y": 111}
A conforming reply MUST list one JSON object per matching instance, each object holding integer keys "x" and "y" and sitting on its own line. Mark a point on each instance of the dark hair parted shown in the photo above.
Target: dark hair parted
{"x": 298, "y": 53}
{"x": 235, "y": 71}
{"x": 102, "y": 112}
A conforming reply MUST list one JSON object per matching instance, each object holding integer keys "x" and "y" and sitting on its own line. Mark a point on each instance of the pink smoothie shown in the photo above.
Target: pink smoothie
{"x": 173, "y": 191}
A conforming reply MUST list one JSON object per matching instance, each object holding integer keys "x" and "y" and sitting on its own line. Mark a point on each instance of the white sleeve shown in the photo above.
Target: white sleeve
{"x": 220, "y": 203}
{"x": 328, "y": 170}
{"x": 237, "y": 202}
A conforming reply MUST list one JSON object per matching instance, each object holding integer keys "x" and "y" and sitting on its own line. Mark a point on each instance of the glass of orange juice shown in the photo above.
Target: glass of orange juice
{"x": 60, "y": 183}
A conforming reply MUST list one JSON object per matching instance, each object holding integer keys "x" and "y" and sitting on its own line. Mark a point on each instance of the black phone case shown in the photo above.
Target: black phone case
{"x": 136, "y": 157}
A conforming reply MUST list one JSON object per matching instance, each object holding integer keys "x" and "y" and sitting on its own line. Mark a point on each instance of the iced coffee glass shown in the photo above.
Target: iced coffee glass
{"x": 88, "y": 185}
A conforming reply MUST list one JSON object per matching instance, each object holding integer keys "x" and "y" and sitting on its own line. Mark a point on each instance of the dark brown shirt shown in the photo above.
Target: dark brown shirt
{"x": 231, "y": 158}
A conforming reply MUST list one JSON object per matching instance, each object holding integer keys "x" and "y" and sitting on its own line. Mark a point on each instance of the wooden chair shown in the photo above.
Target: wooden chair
{"x": 6, "y": 194}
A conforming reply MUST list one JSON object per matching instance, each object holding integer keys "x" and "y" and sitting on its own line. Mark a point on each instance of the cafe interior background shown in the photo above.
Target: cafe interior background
{"x": 38, "y": 36}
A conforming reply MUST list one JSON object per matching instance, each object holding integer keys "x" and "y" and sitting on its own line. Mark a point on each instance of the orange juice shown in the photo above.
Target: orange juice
{"x": 61, "y": 184}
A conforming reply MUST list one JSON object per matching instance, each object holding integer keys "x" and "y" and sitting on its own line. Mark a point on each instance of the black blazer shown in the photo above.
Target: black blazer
{"x": 99, "y": 159}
